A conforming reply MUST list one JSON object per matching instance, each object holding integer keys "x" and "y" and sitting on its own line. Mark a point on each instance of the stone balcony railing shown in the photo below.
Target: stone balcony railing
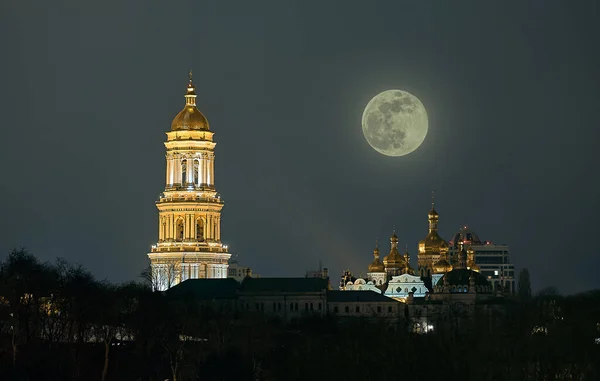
{"x": 189, "y": 198}
{"x": 179, "y": 246}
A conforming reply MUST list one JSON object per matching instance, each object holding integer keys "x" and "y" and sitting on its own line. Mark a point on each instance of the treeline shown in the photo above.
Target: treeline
{"x": 59, "y": 323}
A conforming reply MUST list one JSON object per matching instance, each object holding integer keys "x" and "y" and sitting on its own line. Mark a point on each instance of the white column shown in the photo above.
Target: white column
{"x": 176, "y": 170}
{"x": 168, "y": 172}
{"x": 200, "y": 170}
{"x": 204, "y": 169}
{"x": 208, "y": 171}
{"x": 190, "y": 170}
{"x": 168, "y": 227}
{"x": 171, "y": 170}
{"x": 212, "y": 170}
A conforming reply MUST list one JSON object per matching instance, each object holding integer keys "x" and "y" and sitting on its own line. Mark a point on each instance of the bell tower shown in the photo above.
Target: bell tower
{"x": 189, "y": 210}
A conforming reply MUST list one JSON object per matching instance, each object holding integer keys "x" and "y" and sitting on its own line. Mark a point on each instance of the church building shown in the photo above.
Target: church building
{"x": 189, "y": 222}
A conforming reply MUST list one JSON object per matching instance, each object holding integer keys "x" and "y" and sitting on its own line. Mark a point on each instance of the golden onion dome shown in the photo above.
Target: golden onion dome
{"x": 442, "y": 266}
{"x": 393, "y": 259}
{"x": 190, "y": 118}
{"x": 376, "y": 266}
{"x": 434, "y": 241}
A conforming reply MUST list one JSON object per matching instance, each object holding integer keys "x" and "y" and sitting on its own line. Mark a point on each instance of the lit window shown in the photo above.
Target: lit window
{"x": 495, "y": 272}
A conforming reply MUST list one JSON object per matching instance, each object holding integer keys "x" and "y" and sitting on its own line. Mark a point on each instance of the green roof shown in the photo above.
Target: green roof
{"x": 357, "y": 296}
{"x": 206, "y": 289}
{"x": 280, "y": 285}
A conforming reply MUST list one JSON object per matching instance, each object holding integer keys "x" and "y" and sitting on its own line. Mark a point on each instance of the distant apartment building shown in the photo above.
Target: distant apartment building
{"x": 492, "y": 259}
{"x": 238, "y": 272}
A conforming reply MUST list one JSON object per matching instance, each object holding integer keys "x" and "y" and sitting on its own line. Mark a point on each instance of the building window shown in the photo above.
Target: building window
{"x": 196, "y": 167}
{"x": 347, "y": 309}
{"x": 320, "y": 307}
{"x": 183, "y": 171}
{"x": 390, "y": 309}
{"x": 278, "y": 306}
{"x": 311, "y": 307}
{"x": 296, "y": 306}
{"x": 274, "y": 307}
{"x": 335, "y": 309}
{"x": 378, "y": 309}
{"x": 179, "y": 230}
{"x": 357, "y": 309}
{"x": 199, "y": 230}
{"x": 291, "y": 306}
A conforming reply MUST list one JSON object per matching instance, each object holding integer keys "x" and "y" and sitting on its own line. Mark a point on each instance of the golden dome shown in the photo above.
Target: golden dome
{"x": 393, "y": 259}
{"x": 190, "y": 118}
{"x": 442, "y": 266}
{"x": 376, "y": 266}
{"x": 433, "y": 241}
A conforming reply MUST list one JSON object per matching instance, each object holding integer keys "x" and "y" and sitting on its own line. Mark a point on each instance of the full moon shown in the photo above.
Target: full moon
{"x": 395, "y": 123}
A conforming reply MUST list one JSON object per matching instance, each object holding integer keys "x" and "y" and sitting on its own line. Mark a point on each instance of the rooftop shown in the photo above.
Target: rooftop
{"x": 357, "y": 296}
{"x": 284, "y": 285}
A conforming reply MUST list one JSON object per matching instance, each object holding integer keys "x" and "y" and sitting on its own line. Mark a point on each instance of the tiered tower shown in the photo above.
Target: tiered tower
{"x": 189, "y": 223}
{"x": 376, "y": 272}
{"x": 433, "y": 248}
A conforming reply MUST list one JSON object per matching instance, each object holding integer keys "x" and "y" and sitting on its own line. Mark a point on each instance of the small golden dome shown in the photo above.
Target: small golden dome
{"x": 393, "y": 259}
{"x": 190, "y": 118}
{"x": 442, "y": 266}
{"x": 376, "y": 266}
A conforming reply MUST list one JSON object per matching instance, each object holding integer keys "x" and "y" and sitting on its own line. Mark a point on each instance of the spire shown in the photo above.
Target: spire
{"x": 376, "y": 265}
{"x": 190, "y": 96}
{"x": 394, "y": 239}
{"x": 433, "y": 215}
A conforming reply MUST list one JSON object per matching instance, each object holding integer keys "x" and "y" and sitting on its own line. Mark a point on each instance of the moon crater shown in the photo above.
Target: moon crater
{"x": 395, "y": 123}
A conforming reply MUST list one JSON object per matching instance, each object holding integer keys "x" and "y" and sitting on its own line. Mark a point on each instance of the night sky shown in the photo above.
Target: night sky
{"x": 512, "y": 89}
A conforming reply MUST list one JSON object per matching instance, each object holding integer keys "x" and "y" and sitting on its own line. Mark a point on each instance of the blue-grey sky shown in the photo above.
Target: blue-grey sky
{"x": 512, "y": 89}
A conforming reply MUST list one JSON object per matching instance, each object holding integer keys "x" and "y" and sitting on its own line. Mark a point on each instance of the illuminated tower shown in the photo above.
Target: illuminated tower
{"x": 189, "y": 222}
{"x": 393, "y": 262}
{"x": 433, "y": 247}
{"x": 376, "y": 272}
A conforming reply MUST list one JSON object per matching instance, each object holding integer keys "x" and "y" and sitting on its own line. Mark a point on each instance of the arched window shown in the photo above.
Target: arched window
{"x": 199, "y": 230}
{"x": 179, "y": 230}
{"x": 183, "y": 171}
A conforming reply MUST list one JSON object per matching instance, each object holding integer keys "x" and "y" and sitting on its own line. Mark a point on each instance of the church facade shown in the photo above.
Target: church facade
{"x": 189, "y": 209}
{"x": 446, "y": 273}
